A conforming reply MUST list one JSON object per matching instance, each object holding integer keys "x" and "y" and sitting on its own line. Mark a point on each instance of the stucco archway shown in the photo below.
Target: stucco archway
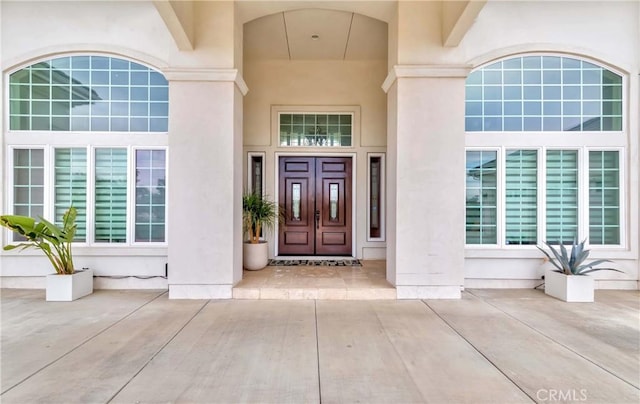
{"x": 312, "y": 60}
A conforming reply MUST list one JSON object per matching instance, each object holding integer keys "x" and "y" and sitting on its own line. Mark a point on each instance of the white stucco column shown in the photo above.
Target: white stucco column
{"x": 426, "y": 166}
{"x": 205, "y": 183}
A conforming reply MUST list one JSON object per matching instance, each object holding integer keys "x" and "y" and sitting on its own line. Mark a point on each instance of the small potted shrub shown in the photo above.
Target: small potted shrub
{"x": 568, "y": 281}
{"x": 259, "y": 214}
{"x": 55, "y": 242}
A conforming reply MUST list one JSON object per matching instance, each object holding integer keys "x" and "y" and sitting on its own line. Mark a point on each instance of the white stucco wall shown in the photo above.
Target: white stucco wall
{"x": 429, "y": 187}
{"x": 213, "y": 120}
{"x": 134, "y": 30}
{"x": 605, "y": 32}
{"x": 35, "y": 30}
{"x": 38, "y": 29}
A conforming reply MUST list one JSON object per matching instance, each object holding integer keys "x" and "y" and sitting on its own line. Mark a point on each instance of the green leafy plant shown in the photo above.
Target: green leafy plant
{"x": 55, "y": 241}
{"x": 258, "y": 213}
{"x": 572, "y": 264}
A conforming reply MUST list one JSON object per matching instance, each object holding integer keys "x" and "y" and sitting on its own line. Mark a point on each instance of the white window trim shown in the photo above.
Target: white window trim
{"x": 383, "y": 190}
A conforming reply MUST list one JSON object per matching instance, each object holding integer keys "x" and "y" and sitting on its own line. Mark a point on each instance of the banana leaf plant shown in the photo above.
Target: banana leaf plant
{"x": 572, "y": 264}
{"x": 258, "y": 213}
{"x": 54, "y": 241}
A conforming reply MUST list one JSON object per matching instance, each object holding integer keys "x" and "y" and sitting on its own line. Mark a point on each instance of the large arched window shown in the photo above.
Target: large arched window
{"x": 88, "y": 93}
{"x": 545, "y": 146}
{"x": 543, "y": 93}
{"x": 90, "y": 131}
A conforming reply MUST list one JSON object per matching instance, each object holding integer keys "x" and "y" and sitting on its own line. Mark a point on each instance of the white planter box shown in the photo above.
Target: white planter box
{"x": 66, "y": 288}
{"x": 570, "y": 288}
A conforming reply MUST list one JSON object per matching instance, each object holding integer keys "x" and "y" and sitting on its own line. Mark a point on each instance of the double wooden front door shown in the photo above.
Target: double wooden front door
{"x": 315, "y": 193}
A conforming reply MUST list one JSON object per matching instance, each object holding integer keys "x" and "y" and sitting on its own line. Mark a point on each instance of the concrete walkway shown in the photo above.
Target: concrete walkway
{"x": 493, "y": 346}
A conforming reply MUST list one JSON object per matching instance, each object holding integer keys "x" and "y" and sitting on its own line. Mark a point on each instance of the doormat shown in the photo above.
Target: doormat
{"x": 322, "y": 263}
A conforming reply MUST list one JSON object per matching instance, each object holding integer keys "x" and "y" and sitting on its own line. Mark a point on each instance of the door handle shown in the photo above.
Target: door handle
{"x": 317, "y": 215}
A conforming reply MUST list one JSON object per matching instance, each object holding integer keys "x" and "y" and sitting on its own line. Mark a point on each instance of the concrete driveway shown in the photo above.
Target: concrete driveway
{"x": 492, "y": 346}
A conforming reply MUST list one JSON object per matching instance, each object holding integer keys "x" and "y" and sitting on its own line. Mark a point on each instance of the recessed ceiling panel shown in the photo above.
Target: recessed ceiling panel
{"x": 317, "y": 34}
{"x": 265, "y": 38}
{"x": 367, "y": 40}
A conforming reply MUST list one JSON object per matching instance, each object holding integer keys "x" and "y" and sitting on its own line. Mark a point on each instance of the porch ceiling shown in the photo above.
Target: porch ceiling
{"x": 292, "y": 35}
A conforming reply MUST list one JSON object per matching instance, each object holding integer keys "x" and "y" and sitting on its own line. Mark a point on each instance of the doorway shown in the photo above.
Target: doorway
{"x": 315, "y": 194}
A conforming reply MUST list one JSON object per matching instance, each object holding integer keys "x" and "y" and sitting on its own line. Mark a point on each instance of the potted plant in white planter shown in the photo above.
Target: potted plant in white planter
{"x": 259, "y": 214}
{"x": 569, "y": 282}
{"x": 55, "y": 241}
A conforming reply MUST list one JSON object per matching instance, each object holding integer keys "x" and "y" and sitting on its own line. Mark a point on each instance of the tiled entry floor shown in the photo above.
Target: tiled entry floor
{"x": 317, "y": 282}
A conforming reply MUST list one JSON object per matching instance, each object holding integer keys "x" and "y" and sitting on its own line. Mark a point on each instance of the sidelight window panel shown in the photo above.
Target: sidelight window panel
{"x": 376, "y": 197}
{"x": 256, "y": 161}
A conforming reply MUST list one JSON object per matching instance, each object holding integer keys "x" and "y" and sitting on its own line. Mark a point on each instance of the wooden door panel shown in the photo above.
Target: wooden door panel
{"x": 296, "y": 238}
{"x": 297, "y": 197}
{"x": 332, "y": 167}
{"x": 310, "y": 185}
{"x": 329, "y": 238}
{"x": 333, "y": 198}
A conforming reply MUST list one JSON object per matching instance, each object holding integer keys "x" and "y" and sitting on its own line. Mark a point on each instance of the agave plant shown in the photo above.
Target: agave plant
{"x": 258, "y": 213}
{"x": 53, "y": 240}
{"x": 572, "y": 264}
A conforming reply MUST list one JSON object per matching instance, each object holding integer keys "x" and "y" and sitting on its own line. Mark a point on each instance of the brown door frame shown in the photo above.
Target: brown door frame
{"x": 276, "y": 186}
